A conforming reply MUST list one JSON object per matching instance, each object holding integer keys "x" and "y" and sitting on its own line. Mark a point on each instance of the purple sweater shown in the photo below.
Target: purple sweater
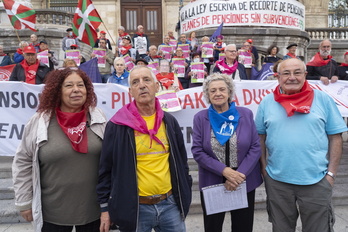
{"x": 248, "y": 150}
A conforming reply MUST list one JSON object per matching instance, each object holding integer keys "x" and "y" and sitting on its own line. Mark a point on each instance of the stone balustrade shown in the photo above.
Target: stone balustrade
{"x": 328, "y": 33}
{"x": 47, "y": 16}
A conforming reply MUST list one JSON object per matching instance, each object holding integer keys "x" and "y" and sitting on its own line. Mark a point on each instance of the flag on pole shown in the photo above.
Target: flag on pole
{"x": 86, "y": 21}
{"x": 216, "y": 33}
{"x": 20, "y": 16}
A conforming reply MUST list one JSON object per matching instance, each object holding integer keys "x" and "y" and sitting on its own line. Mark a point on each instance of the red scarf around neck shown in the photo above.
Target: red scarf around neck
{"x": 74, "y": 126}
{"x": 30, "y": 71}
{"x": 344, "y": 65}
{"x": 129, "y": 116}
{"x": 291, "y": 55}
{"x": 125, "y": 49}
{"x": 19, "y": 51}
{"x": 299, "y": 102}
{"x": 140, "y": 34}
{"x": 225, "y": 69}
{"x": 318, "y": 61}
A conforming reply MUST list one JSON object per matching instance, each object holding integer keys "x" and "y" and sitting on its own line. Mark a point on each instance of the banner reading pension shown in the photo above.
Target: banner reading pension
{"x": 19, "y": 101}
{"x": 206, "y": 13}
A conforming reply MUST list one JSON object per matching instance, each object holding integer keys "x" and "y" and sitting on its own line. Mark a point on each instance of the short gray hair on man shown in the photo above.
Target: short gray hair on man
{"x": 121, "y": 28}
{"x": 230, "y": 45}
{"x": 22, "y": 43}
{"x": 139, "y": 67}
{"x": 219, "y": 77}
{"x": 119, "y": 59}
{"x": 282, "y": 62}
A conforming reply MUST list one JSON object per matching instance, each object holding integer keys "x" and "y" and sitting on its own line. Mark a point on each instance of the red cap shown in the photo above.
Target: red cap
{"x": 102, "y": 32}
{"x": 29, "y": 49}
{"x": 250, "y": 41}
{"x": 73, "y": 45}
{"x": 346, "y": 53}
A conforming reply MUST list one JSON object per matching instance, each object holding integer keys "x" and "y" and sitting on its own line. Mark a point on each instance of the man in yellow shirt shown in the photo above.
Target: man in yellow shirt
{"x": 144, "y": 182}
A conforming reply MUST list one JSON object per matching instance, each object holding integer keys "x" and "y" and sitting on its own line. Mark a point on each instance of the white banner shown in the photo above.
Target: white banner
{"x": 207, "y": 13}
{"x": 18, "y": 102}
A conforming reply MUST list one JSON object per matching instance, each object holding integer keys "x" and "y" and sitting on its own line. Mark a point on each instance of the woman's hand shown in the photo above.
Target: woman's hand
{"x": 27, "y": 215}
{"x": 104, "y": 222}
{"x": 234, "y": 178}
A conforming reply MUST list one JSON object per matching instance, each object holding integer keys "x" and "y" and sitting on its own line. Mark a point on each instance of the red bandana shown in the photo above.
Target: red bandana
{"x": 299, "y": 102}
{"x": 225, "y": 69}
{"x": 140, "y": 34}
{"x": 20, "y": 51}
{"x": 291, "y": 55}
{"x": 344, "y": 65}
{"x": 125, "y": 49}
{"x": 124, "y": 34}
{"x": 30, "y": 71}
{"x": 74, "y": 126}
{"x": 318, "y": 61}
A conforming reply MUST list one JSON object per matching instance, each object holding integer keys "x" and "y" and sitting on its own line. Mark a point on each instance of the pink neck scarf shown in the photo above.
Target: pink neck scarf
{"x": 129, "y": 116}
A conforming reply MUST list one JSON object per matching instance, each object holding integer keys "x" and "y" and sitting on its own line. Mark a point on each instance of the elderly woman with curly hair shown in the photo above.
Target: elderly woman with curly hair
{"x": 226, "y": 147}
{"x": 55, "y": 169}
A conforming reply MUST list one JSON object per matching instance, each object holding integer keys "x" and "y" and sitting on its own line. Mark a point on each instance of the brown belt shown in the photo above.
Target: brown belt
{"x": 151, "y": 200}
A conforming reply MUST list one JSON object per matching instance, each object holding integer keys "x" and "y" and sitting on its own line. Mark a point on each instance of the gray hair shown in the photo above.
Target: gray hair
{"x": 119, "y": 59}
{"x": 219, "y": 77}
{"x": 22, "y": 43}
{"x": 139, "y": 67}
{"x": 121, "y": 28}
{"x": 282, "y": 62}
{"x": 230, "y": 45}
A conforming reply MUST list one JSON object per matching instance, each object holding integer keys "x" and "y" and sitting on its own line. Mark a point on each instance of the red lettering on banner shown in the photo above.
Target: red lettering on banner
{"x": 280, "y": 20}
{"x": 230, "y": 18}
{"x": 118, "y": 97}
{"x": 199, "y": 100}
{"x": 255, "y": 18}
{"x": 188, "y": 102}
{"x": 205, "y": 20}
{"x": 247, "y": 101}
{"x": 254, "y": 95}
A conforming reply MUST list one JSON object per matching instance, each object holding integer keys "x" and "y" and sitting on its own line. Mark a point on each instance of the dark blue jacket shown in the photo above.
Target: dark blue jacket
{"x": 117, "y": 186}
{"x": 6, "y": 61}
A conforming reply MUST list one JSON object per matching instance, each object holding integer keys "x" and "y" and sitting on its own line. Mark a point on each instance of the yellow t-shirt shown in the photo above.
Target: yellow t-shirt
{"x": 152, "y": 162}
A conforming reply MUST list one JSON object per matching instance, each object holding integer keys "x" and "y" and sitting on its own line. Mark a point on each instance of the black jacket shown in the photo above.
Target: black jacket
{"x": 19, "y": 75}
{"x": 117, "y": 186}
{"x": 329, "y": 70}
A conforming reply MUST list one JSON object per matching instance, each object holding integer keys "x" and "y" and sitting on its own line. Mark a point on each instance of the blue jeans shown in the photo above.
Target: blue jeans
{"x": 164, "y": 216}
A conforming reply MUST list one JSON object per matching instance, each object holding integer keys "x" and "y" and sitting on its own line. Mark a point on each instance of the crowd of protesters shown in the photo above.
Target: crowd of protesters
{"x": 184, "y": 54}
{"x": 138, "y": 175}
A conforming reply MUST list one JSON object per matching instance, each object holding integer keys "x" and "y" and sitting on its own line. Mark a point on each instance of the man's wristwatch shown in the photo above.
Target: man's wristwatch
{"x": 331, "y": 174}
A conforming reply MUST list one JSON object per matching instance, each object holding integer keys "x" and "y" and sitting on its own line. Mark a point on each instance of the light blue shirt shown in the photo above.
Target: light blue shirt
{"x": 298, "y": 145}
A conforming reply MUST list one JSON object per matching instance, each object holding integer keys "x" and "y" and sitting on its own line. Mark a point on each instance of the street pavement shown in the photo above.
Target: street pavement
{"x": 194, "y": 223}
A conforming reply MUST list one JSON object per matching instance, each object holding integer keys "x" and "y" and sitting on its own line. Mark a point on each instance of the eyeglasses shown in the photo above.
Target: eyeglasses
{"x": 232, "y": 51}
{"x": 288, "y": 74}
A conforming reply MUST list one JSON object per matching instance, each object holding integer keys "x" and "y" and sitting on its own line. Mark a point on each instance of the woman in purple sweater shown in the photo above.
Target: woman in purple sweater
{"x": 227, "y": 149}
